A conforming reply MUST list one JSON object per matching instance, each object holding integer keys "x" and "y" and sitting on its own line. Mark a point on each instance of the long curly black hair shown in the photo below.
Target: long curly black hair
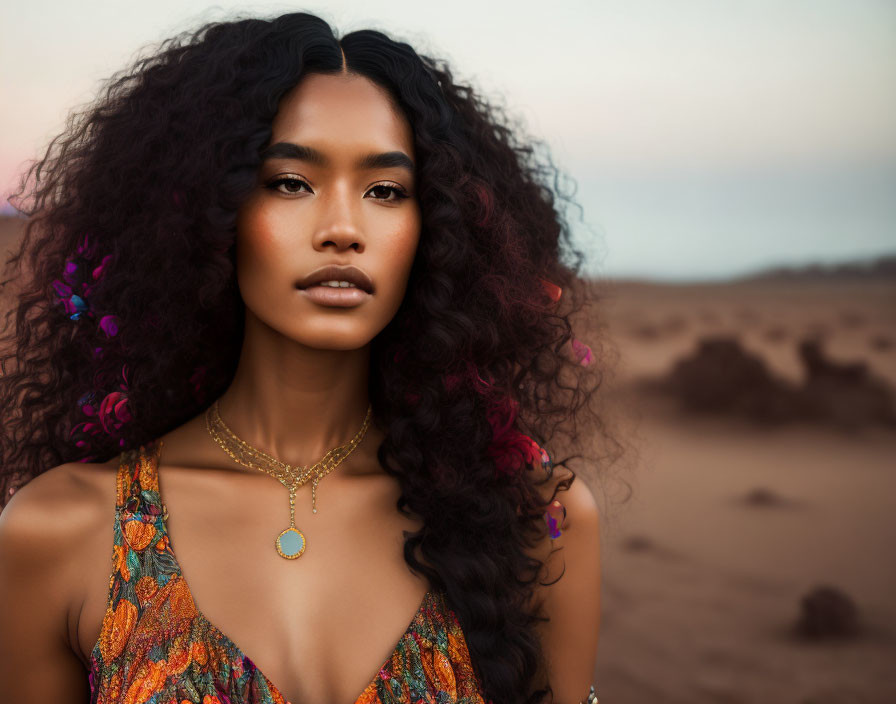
{"x": 129, "y": 321}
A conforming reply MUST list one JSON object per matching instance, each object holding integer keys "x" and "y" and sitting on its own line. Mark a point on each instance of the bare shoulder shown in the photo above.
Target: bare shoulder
{"x": 53, "y": 510}
{"x": 581, "y": 506}
{"x": 570, "y": 506}
{"x": 570, "y": 589}
{"x": 44, "y": 529}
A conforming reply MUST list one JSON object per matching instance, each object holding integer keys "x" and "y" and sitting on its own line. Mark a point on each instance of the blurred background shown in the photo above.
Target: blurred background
{"x": 735, "y": 164}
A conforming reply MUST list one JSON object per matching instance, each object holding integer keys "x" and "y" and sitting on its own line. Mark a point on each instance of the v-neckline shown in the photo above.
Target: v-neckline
{"x": 154, "y": 455}
{"x": 275, "y": 691}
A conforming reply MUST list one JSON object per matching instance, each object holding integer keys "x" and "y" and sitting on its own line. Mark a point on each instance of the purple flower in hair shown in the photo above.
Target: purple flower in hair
{"x": 88, "y": 404}
{"x": 546, "y": 460}
{"x": 69, "y": 272}
{"x": 73, "y": 300}
{"x": 74, "y": 305}
{"x": 109, "y": 325}
{"x": 554, "y": 517}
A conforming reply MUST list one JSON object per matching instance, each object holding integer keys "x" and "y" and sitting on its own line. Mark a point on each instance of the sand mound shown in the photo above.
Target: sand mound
{"x": 827, "y": 612}
{"x": 763, "y": 497}
{"x": 721, "y": 377}
{"x": 846, "y": 393}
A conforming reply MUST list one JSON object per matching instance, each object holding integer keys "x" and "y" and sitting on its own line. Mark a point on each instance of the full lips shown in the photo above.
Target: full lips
{"x": 337, "y": 297}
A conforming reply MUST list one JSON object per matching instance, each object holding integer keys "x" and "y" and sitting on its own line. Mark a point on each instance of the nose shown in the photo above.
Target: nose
{"x": 338, "y": 225}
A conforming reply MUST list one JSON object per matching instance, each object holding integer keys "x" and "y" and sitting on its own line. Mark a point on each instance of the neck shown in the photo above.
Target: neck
{"x": 297, "y": 403}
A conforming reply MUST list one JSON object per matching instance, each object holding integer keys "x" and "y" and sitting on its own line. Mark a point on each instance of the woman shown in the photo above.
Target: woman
{"x": 269, "y": 253}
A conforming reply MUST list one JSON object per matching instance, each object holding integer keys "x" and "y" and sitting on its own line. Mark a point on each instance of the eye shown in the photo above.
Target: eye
{"x": 292, "y": 185}
{"x": 400, "y": 193}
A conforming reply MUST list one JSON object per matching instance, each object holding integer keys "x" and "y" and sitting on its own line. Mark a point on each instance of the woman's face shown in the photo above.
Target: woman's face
{"x": 336, "y": 187}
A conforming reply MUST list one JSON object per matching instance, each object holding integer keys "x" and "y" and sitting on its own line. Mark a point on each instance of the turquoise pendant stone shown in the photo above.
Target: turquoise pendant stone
{"x": 290, "y": 543}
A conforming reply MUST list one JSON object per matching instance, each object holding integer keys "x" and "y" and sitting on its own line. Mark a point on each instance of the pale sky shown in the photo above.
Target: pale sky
{"x": 707, "y": 138}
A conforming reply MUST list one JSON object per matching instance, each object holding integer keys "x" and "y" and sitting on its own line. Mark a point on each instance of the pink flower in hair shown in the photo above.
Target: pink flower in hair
{"x": 510, "y": 449}
{"x": 83, "y": 431}
{"x": 114, "y": 412}
{"x": 553, "y": 290}
{"x": 99, "y": 271}
{"x": 582, "y": 352}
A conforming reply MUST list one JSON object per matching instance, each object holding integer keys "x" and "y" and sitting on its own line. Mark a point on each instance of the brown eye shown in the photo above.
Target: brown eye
{"x": 291, "y": 185}
{"x": 382, "y": 189}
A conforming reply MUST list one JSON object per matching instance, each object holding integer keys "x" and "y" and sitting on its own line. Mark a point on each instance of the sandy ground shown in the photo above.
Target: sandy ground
{"x": 701, "y": 589}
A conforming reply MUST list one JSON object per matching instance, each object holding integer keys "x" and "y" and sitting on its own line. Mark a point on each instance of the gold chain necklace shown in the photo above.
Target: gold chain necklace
{"x": 291, "y": 542}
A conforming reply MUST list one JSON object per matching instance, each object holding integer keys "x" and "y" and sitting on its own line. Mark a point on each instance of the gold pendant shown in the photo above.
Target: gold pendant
{"x": 290, "y": 543}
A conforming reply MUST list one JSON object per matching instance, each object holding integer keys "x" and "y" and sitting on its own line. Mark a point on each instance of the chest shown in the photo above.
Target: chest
{"x": 320, "y": 626}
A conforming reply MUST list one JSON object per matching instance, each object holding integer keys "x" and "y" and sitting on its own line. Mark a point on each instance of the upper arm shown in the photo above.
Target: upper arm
{"x": 572, "y": 603}
{"x": 37, "y": 663}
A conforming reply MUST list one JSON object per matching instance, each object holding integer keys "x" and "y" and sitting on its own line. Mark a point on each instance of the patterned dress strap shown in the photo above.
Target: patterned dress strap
{"x": 124, "y": 480}
{"x": 138, "y": 481}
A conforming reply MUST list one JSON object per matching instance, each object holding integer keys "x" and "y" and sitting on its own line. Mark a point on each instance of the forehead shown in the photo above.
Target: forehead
{"x": 342, "y": 111}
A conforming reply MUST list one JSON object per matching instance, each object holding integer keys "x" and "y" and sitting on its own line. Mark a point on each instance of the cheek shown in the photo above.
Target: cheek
{"x": 258, "y": 243}
{"x": 398, "y": 260}
{"x": 403, "y": 247}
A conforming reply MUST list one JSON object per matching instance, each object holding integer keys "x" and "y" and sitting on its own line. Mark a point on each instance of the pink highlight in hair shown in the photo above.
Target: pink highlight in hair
{"x": 196, "y": 382}
{"x": 471, "y": 377}
{"x": 85, "y": 249}
{"x": 412, "y": 398}
{"x": 486, "y": 202}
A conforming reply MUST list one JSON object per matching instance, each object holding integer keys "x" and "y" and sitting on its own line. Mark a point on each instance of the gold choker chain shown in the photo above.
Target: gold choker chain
{"x": 291, "y": 542}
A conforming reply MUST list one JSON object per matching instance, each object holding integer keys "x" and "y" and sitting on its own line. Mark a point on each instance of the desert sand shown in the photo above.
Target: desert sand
{"x": 734, "y": 519}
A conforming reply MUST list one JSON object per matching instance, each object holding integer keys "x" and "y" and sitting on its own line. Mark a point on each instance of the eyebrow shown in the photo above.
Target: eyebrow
{"x": 301, "y": 152}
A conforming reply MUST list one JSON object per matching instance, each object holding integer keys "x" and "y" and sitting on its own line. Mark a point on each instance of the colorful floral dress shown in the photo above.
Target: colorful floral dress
{"x": 155, "y": 647}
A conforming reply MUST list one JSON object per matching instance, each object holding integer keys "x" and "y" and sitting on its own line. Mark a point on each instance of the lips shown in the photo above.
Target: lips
{"x": 333, "y": 272}
{"x": 342, "y": 297}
